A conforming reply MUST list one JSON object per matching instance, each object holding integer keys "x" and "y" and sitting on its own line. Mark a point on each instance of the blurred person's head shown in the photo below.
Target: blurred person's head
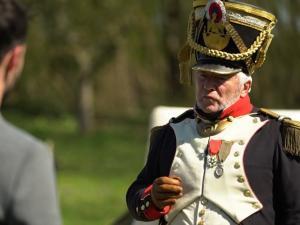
{"x": 13, "y": 31}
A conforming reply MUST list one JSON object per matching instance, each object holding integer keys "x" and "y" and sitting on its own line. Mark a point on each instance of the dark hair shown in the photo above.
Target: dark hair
{"x": 13, "y": 25}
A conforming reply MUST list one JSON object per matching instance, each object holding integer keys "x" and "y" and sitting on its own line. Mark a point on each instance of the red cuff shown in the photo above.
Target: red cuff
{"x": 151, "y": 212}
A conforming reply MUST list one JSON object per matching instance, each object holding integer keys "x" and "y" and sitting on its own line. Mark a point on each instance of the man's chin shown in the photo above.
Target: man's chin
{"x": 211, "y": 109}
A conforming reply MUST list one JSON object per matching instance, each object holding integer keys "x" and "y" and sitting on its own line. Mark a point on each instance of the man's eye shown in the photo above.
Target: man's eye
{"x": 221, "y": 79}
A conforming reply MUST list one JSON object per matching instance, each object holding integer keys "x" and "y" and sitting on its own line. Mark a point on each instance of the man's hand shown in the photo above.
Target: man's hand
{"x": 165, "y": 191}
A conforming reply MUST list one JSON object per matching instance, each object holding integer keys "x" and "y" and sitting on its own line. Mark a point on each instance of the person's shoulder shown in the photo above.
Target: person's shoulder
{"x": 289, "y": 129}
{"x": 188, "y": 114}
{"x": 166, "y": 129}
{"x": 15, "y": 139}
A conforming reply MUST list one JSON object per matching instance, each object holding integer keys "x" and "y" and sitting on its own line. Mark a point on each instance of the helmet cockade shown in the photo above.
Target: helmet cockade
{"x": 214, "y": 32}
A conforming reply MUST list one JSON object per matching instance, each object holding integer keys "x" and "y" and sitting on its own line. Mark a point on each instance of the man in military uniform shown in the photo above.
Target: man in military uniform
{"x": 225, "y": 162}
{"x": 27, "y": 181}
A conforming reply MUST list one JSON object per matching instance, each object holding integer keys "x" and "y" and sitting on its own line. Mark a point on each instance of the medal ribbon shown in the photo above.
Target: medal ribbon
{"x": 214, "y": 147}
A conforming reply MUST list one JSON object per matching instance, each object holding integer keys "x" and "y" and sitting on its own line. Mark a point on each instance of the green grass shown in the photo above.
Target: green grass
{"x": 93, "y": 171}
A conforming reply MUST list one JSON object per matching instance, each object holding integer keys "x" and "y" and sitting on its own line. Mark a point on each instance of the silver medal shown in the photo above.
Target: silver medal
{"x": 219, "y": 171}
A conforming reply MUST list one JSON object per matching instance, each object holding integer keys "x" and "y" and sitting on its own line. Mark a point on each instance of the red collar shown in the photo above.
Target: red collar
{"x": 242, "y": 107}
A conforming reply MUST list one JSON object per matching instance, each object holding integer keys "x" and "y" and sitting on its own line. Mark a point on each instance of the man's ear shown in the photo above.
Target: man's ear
{"x": 16, "y": 60}
{"x": 246, "y": 88}
{"x": 13, "y": 63}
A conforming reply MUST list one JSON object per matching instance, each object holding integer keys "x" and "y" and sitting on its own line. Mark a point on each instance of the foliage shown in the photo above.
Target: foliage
{"x": 127, "y": 52}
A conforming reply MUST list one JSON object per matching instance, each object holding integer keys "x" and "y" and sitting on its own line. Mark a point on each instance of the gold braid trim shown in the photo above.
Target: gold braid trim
{"x": 242, "y": 7}
{"x": 236, "y": 37}
{"x": 225, "y": 55}
{"x": 262, "y": 55}
{"x": 290, "y": 132}
{"x": 239, "y": 43}
{"x": 184, "y": 57}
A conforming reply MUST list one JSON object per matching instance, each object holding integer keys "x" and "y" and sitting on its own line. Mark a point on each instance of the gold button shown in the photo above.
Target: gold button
{"x": 247, "y": 193}
{"x": 237, "y": 165}
{"x": 236, "y": 154}
{"x": 147, "y": 204}
{"x": 209, "y": 129}
{"x": 256, "y": 205}
{"x": 203, "y": 201}
{"x": 202, "y": 212}
{"x": 230, "y": 119}
{"x": 241, "y": 179}
{"x": 255, "y": 120}
{"x": 175, "y": 166}
{"x": 241, "y": 142}
{"x": 179, "y": 154}
{"x": 201, "y": 222}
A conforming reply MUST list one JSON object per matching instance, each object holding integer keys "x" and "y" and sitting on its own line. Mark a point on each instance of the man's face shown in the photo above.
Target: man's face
{"x": 214, "y": 94}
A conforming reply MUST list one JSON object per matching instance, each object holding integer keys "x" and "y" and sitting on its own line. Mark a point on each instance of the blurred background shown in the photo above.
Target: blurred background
{"x": 94, "y": 71}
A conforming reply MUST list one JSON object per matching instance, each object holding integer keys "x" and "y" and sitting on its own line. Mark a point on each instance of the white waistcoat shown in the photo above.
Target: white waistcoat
{"x": 225, "y": 200}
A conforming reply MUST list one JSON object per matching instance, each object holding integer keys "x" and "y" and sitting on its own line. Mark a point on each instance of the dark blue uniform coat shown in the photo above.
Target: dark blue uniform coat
{"x": 273, "y": 174}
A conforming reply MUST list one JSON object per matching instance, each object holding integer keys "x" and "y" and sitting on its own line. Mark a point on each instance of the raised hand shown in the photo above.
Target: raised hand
{"x": 166, "y": 190}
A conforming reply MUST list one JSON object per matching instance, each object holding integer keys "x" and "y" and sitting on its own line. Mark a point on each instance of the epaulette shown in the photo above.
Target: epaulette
{"x": 187, "y": 114}
{"x": 290, "y": 132}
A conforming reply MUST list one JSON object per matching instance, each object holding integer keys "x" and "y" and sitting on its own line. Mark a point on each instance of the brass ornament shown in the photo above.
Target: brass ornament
{"x": 214, "y": 34}
{"x": 209, "y": 129}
